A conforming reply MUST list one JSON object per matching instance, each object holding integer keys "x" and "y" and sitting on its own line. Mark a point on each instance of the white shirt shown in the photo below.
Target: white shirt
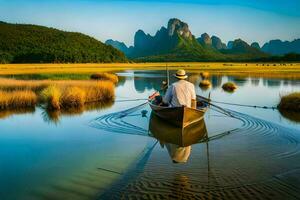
{"x": 180, "y": 93}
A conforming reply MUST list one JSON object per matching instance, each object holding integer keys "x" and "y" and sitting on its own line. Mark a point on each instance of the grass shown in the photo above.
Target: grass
{"x": 205, "y": 84}
{"x": 17, "y": 99}
{"x": 54, "y": 94}
{"x": 204, "y": 75}
{"x": 229, "y": 86}
{"x": 291, "y": 70}
{"x": 105, "y": 76}
{"x": 290, "y": 102}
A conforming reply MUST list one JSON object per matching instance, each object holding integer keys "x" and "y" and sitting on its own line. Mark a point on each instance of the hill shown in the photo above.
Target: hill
{"x": 174, "y": 43}
{"x": 20, "y": 43}
{"x": 177, "y": 43}
{"x": 244, "y": 51}
{"x": 278, "y": 47}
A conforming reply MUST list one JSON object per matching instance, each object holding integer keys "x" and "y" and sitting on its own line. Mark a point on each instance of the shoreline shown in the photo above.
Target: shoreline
{"x": 271, "y": 70}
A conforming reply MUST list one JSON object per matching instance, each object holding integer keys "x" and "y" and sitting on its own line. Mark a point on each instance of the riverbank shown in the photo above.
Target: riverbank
{"x": 290, "y": 70}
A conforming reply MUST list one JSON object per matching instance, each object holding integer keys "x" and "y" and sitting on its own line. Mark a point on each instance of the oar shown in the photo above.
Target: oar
{"x": 206, "y": 100}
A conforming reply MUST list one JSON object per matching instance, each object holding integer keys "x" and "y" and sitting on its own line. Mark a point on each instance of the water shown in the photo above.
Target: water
{"x": 105, "y": 153}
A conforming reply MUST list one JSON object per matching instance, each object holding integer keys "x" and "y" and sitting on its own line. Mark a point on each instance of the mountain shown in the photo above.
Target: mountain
{"x": 119, "y": 45}
{"x": 217, "y": 43}
{"x": 20, "y": 43}
{"x": 205, "y": 39}
{"x": 243, "y": 50}
{"x": 255, "y": 45}
{"x": 213, "y": 41}
{"x": 278, "y": 47}
{"x": 174, "y": 43}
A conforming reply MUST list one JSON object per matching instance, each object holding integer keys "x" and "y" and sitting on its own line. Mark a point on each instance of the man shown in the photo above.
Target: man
{"x": 181, "y": 93}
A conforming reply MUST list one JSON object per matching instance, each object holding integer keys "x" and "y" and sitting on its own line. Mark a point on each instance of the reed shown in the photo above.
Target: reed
{"x": 205, "y": 83}
{"x": 73, "y": 97}
{"x": 51, "y": 96}
{"x": 290, "y": 102}
{"x": 54, "y": 94}
{"x": 204, "y": 75}
{"x": 106, "y": 77}
{"x": 17, "y": 99}
{"x": 229, "y": 87}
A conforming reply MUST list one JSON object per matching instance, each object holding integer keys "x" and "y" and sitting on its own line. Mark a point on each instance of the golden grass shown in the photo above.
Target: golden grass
{"x": 55, "y": 94}
{"x": 291, "y": 70}
{"x": 51, "y": 97}
{"x": 229, "y": 86}
{"x": 290, "y": 102}
{"x": 17, "y": 99}
{"x": 204, "y": 75}
{"x": 205, "y": 84}
{"x": 105, "y": 76}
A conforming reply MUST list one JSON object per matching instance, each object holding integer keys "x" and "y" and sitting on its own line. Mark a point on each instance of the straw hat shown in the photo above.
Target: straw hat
{"x": 180, "y": 74}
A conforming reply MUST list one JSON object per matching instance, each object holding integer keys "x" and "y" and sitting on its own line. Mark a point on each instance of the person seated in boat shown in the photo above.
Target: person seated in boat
{"x": 181, "y": 93}
{"x": 177, "y": 154}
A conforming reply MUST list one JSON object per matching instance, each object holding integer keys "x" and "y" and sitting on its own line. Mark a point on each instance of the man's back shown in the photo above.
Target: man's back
{"x": 180, "y": 93}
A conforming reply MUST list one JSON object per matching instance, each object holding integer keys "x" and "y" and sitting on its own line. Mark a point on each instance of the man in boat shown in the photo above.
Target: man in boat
{"x": 181, "y": 93}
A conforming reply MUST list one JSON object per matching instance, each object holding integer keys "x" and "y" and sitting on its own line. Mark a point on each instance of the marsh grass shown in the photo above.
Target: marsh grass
{"x": 54, "y": 94}
{"x": 205, "y": 84}
{"x": 106, "y": 77}
{"x": 17, "y": 99}
{"x": 51, "y": 97}
{"x": 229, "y": 87}
{"x": 290, "y": 102}
{"x": 204, "y": 75}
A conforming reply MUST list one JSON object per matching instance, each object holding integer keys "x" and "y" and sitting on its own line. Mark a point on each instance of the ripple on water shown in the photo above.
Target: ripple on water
{"x": 258, "y": 159}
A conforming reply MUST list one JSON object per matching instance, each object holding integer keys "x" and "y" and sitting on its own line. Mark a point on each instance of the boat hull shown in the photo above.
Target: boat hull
{"x": 178, "y": 116}
{"x": 167, "y": 133}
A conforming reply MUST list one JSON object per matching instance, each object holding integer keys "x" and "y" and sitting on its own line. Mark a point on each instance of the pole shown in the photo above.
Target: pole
{"x": 168, "y": 75}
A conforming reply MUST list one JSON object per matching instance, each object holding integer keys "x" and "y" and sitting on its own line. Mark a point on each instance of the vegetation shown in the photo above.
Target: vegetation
{"x": 229, "y": 86}
{"x": 105, "y": 76}
{"x": 204, "y": 75}
{"x": 21, "y": 43}
{"x": 205, "y": 84}
{"x": 290, "y": 102}
{"x": 54, "y": 94}
{"x": 17, "y": 99}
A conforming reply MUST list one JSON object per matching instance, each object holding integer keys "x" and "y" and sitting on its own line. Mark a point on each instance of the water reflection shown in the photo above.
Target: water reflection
{"x": 10, "y": 112}
{"x": 290, "y": 115}
{"x": 142, "y": 83}
{"x": 54, "y": 116}
{"x": 176, "y": 140}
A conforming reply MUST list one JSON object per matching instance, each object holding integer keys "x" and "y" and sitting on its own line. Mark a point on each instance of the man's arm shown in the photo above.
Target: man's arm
{"x": 194, "y": 101}
{"x": 168, "y": 96}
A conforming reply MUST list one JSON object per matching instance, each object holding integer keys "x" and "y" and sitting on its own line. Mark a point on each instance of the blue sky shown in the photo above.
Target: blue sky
{"x": 251, "y": 20}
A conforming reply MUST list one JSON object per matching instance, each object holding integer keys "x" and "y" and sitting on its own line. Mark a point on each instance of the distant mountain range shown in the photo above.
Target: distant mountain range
{"x": 21, "y": 43}
{"x": 177, "y": 43}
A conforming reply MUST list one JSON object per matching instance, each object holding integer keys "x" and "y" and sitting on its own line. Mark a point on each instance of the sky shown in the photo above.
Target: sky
{"x": 250, "y": 20}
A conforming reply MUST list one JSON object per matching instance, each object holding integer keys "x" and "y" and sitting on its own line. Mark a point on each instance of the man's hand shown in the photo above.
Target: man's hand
{"x": 155, "y": 94}
{"x": 194, "y": 104}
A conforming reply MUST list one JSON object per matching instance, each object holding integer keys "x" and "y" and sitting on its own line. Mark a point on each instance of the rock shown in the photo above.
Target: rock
{"x": 255, "y": 45}
{"x": 278, "y": 47}
{"x": 217, "y": 43}
{"x": 177, "y": 26}
{"x": 205, "y": 39}
{"x": 230, "y": 45}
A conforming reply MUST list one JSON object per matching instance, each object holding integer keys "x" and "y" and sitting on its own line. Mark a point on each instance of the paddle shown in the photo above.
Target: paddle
{"x": 206, "y": 100}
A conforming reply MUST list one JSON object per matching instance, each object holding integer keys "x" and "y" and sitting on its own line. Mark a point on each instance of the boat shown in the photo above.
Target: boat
{"x": 183, "y": 137}
{"x": 180, "y": 116}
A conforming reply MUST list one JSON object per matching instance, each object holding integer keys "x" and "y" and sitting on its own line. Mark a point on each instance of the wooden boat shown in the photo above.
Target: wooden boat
{"x": 183, "y": 137}
{"x": 180, "y": 116}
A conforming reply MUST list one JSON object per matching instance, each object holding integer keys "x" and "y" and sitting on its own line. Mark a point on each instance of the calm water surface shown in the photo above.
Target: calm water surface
{"x": 107, "y": 153}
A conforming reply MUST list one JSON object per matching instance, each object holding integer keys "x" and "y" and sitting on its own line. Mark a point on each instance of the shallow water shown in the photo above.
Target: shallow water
{"x": 107, "y": 153}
